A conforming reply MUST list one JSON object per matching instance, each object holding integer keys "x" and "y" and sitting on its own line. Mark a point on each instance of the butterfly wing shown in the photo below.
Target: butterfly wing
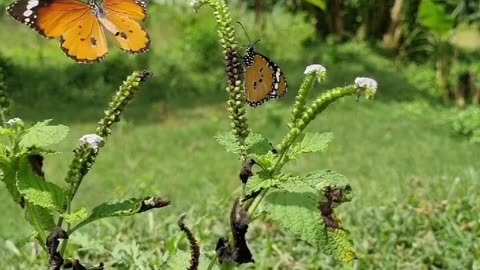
{"x": 134, "y": 9}
{"x": 263, "y": 80}
{"x": 85, "y": 44}
{"x": 125, "y": 16}
{"x": 82, "y": 38}
{"x": 50, "y": 18}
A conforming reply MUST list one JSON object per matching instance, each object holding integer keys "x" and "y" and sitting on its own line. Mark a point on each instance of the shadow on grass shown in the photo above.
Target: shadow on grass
{"x": 79, "y": 93}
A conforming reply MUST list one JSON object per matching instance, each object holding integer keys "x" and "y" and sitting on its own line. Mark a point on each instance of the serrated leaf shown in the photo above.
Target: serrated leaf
{"x": 181, "y": 260}
{"x": 37, "y": 191}
{"x": 312, "y": 142}
{"x": 39, "y": 217}
{"x": 8, "y": 177}
{"x": 228, "y": 141}
{"x": 255, "y": 143}
{"x": 257, "y": 183}
{"x": 325, "y": 178}
{"x": 298, "y": 212}
{"x": 43, "y": 135}
{"x": 340, "y": 245}
{"x": 266, "y": 160}
{"x": 127, "y": 207}
{"x": 76, "y": 216}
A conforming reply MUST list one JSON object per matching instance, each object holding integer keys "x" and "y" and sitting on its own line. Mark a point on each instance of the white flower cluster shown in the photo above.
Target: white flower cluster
{"x": 316, "y": 68}
{"x": 196, "y": 4}
{"x": 14, "y": 121}
{"x": 92, "y": 140}
{"x": 364, "y": 82}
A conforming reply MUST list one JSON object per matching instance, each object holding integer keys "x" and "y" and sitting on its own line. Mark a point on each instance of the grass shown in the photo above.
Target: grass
{"x": 399, "y": 164}
{"x": 415, "y": 184}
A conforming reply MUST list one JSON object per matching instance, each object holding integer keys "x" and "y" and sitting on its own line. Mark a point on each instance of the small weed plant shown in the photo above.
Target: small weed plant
{"x": 304, "y": 204}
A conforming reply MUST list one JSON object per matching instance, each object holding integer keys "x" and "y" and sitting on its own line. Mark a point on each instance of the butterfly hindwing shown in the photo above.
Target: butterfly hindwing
{"x": 85, "y": 42}
{"x": 130, "y": 37}
{"x": 263, "y": 79}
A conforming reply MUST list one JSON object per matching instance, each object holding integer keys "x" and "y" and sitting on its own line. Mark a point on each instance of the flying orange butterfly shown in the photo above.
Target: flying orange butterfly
{"x": 263, "y": 78}
{"x": 80, "y": 26}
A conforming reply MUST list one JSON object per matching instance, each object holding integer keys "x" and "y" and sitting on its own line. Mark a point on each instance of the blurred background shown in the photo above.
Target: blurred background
{"x": 411, "y": 154}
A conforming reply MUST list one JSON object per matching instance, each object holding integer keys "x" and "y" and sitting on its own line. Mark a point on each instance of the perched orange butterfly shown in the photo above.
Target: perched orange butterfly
{"x": 263, "y": 78}
{"x": 80, "y": 26}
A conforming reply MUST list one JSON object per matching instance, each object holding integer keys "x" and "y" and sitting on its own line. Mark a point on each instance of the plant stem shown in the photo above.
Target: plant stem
{"x": 316, "y": 108}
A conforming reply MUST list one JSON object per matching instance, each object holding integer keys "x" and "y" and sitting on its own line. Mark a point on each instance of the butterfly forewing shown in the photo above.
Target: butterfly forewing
{"x": 263, "y": 79}
{"x": 50, "y": 18}
{"x": 134, "y": 9}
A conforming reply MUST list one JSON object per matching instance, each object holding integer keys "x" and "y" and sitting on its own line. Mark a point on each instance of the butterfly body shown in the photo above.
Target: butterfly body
{"x": 264, "y": 80}
{"x": 80, "y": 26}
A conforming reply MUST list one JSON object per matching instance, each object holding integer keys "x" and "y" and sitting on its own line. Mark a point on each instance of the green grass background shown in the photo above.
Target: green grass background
{"x": 416, "y": 185}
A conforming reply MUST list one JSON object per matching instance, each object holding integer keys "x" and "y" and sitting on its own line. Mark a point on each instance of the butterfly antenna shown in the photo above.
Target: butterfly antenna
{"x": 246, "y": 34}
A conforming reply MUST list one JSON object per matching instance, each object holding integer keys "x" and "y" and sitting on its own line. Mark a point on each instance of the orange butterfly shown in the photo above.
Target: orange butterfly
{"x": 80, "y": 26}
{"x": 263, "y": 78}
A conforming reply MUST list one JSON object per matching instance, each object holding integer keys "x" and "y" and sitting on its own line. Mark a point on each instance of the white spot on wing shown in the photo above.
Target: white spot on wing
{"x": 27, "y": 13}
{"x": 31, "y": 4}
{"x": 277, "y": 75}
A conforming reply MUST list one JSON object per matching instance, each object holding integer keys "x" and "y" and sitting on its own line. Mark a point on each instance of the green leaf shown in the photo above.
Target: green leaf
{"x": 266, "y": 160}
{"x": 37, "y": 191}
{"x": 298, "y": 212}
{"x": 228, "y": 141}
{"x": 259, "y": 182}
{"x": 127, "y": 207}
{"x": 312, "y": 142}
{"x": 325, "y": 178}
{"x": 42, "y": 135}
{"x": 434, "y": 17}
{"x": 39, "y": 217}
{"x": 9, "y": 169}
{"x": 181, "y": 260}
{"x": 255, "y": 143}
{"x": 76, "y": 216}
{"x": 321, "y": 4}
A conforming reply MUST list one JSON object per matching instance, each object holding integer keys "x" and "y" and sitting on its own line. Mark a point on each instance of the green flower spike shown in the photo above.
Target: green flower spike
{"x": 236, "y": 93}
{"x": 120, "y": 101}
{"x": 88, "y": 149}
{"x": 4, "y": 101}
{"x": 362, "y": 85}
{"x": 313, "y": 71}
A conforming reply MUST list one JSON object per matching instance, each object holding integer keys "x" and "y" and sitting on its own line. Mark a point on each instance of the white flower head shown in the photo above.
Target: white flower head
{"x": 316, "y": 68}
{"x": 92, "y": 140}
{"x": 196, "y": 4}
{"x": 14, "y": 121}
{"x": 365, "y": 82}
{"x": 370, "y": 86}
